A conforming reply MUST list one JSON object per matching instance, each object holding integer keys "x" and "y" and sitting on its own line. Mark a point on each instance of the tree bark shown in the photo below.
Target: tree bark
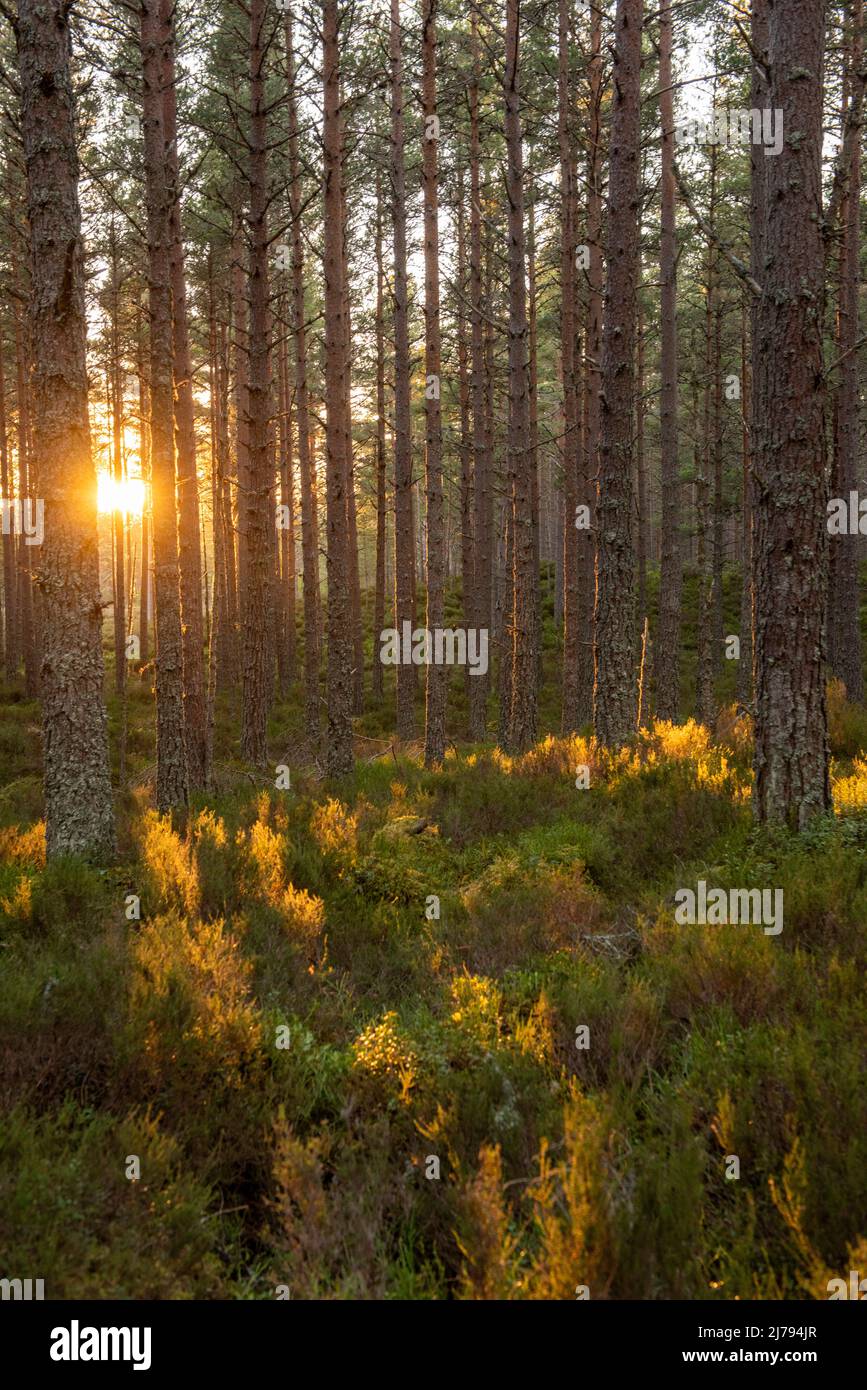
{"x": 435, "y": 690}
{"x": 78, "y": 804}
{"x": 189, "y": 526}
{"x": 524, "y": 636}
{"x": 592, "y": 374}
{"x": 145, "y": 572}
{"x": 844, "y": 618}
{"x": 790, "y": 490}
{"x": 10, "y": 606}
{"x": 115, "y": 403}
{"x": 404, "y": 559}
{"x": 306, "y": 472}
{"x": 339, "y": 754}
{"x": 482, "y": 444}
{"x": 667, "y": 649}
{"x": 614, "y": 648}
{"x": 286, "y": 652}
{"x": 573, "y": 649}
{"x": 759, "y": 97}
{"x": 258, "y": 501}
{"x": 24, "y": 576}
{"x": 381, "y": 529}
{"x": 172, "y": 788}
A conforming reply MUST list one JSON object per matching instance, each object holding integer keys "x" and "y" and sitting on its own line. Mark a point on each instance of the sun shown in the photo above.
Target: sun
{"x": 127, "y": 496}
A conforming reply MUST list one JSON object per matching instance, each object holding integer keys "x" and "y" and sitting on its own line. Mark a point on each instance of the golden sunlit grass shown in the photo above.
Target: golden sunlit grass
{"x": 302, "y": 913}
{"x": 192, "y": 986}
{"x": 382, "y": 1048}
{"x": 850, "y": 792}
{"x": 690, "y": 743}
{"x": 169, "y": 864}
{"x": 23, "y": 846}
{"x": 334, "y": 828}
{"x": 310, "y": 1037}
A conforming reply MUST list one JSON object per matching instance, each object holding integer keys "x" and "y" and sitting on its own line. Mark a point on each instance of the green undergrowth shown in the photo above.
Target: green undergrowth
{"x": 338, "y": 1028}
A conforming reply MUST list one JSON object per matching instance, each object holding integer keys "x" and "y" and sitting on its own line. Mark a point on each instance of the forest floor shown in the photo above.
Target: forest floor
{"x": 338, "y": 1087}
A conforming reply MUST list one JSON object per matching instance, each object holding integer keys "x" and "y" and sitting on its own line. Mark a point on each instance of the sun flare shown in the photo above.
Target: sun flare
{"x": 127, "y": 496}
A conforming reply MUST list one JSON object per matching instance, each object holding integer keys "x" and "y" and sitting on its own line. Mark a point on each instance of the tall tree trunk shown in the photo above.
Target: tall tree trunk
{"x": 240, "y": 480}
{"x": 10, "y": 605}
{"x": 614, "y": 650}
{"x": 219, "y": 674}
{"x": 525, "y": 631}
{"x": 189, "y": 527}
{"x": 23, "y": 335}
{"x": 641, "y": 521}
{"x": 759, "y": 97}
{"x": 286, "y": 658}
{"x": 228, "y": 526}
{"x": 172, "y": 787}
{"x": 704, "y": 692}
{"x": 790, "y": 490}
{"x": 533, "y": 402}
{"x": 718, "y": 531}
{"x": 352, "y": 519}
{"x": 482, "y": 451}
{"x": 117, "y": 516}
{"x": 381, "y": 530}
{"x": 435, "y": 702}
{"x": 78, "y": 806}
{"x": 467, "y": 539}
{"x": 745, "y": 667}
{"x": 147, "y": 506}
{"x": 844, "y": 618}
{"x": 307, "y": 478}
{"x": 705, "y": 711}
{"x": 351, "y": 508}
{"x": 593, "y": 359}
{"x": 339, "y": 756}
{"x": 573, "y": 650}
{"x": 666, "y": 666}
{"x": 259, "y": 511}
{"x": 404, "y": 559}
{"x": 505, "y": 613}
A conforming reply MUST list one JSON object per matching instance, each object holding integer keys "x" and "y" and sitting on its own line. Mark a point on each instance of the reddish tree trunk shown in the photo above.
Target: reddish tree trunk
{"x": 258, "y": 501}
{"x": 404, "y": 558}
{"x": 339, "y": 755}
{"x": 790, "y": 491}
{"x": 666, "y": 668}
{"x": 307, "y": 478}
{"x": 573, "y": 649}
{"x": 524, "y": 643}
{"x": 482, "y": 451}
{"x": 189, "y": 527}
{"x": 172, "y": 787}
{"x": 844, "y": 627}
{"x": 381, "y": 529}
{"x": 78, "y": 805}
{"x": 435, "y": 705}
{"x": 614, "y": 647}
